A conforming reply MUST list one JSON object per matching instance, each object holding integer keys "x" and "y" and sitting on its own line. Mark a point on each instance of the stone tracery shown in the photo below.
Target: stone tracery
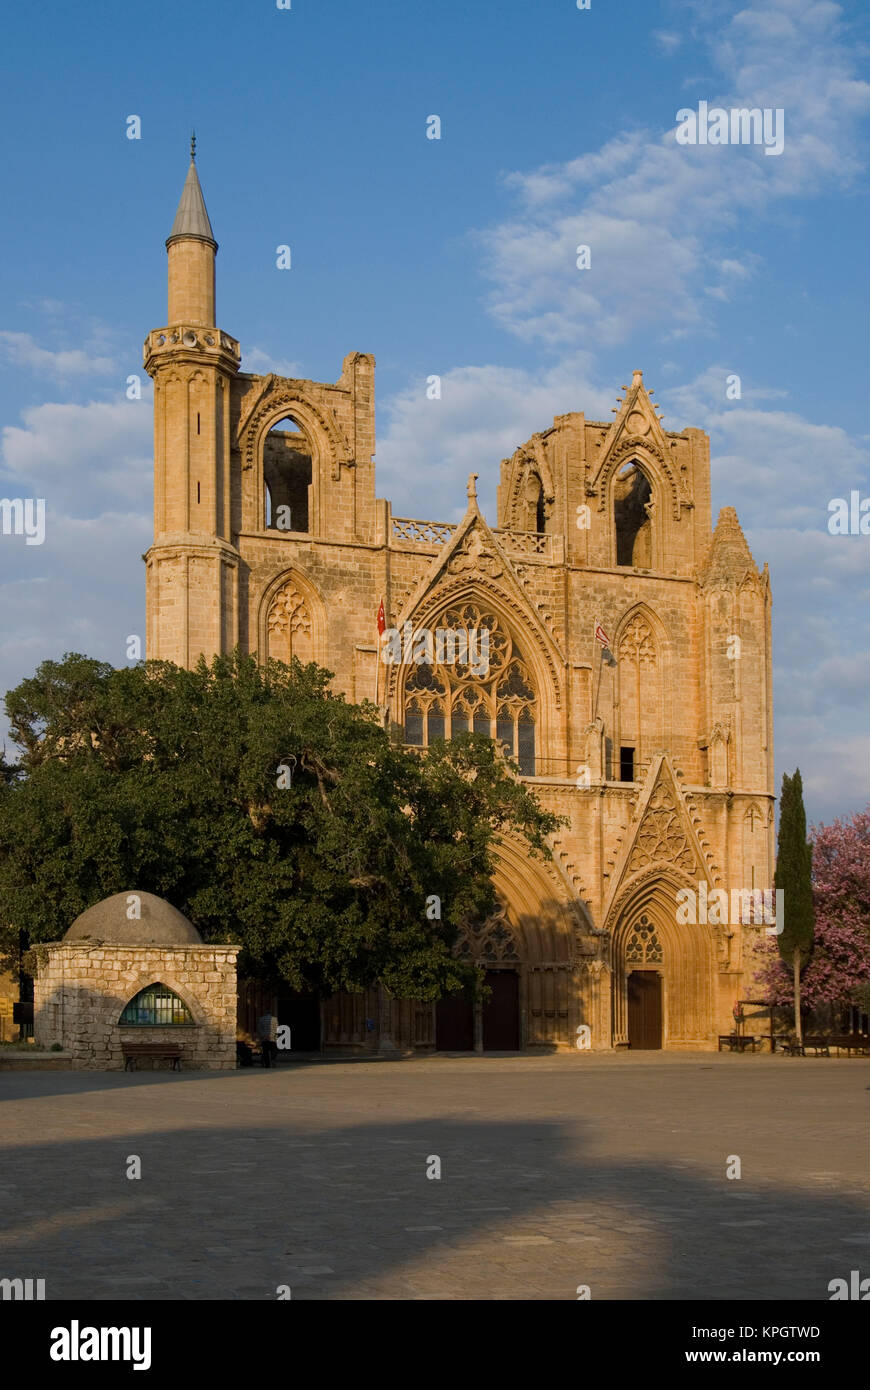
{"x": 289, "y": 625}
{"x": 489, "y": 942}
{"x": 643, "y": 946}
{"x": 444, "y": 699}
{"x": 637, "y": 642}
{"x": 661, "y": 837}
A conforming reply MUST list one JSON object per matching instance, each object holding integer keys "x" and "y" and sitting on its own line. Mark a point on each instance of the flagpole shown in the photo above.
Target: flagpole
{"x": 380, "y": 627}
{"x": 603, "y": 641}
{"x": 598, "y": 683}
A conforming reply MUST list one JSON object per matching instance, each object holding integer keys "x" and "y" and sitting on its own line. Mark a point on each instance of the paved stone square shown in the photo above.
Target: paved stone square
{"x": 555, "y": 1172}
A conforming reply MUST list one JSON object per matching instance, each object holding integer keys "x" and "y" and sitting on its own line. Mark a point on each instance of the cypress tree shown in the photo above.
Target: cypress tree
{"x": 794, "y": 862}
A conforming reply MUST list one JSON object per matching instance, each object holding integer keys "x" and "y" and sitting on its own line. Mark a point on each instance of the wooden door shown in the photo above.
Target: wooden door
{"x": 454, "y": 1024}
{"x": 501, "y": 1012}
{"x": 644, "y": 1010}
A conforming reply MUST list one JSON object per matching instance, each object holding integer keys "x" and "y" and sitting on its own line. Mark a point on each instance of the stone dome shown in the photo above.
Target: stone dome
{"x": 158, "y": 923}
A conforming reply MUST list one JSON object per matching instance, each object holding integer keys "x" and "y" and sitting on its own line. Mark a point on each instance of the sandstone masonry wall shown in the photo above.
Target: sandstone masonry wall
{"x": 81, "y": 990}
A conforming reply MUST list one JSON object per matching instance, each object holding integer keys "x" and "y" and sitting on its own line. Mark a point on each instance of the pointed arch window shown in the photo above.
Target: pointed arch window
{"x": 414, "y": 723}
{"x": 486, "y": 689}
{"x": 287, "y": 464}
{"x": 155, "y": 1005}
{"x": 288, "y": 624}
{"x": 633, "y": 517}
{"x": 435, "y": 722}
{"x": 640, "y": 696}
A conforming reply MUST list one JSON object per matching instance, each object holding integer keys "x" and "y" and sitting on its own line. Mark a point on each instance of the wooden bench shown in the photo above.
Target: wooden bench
{"x": 737, "y": 1042}
{"x": 851, "y": 1042}
{"x": 816, "y": 1043}
{"x": 134, "y": 1050}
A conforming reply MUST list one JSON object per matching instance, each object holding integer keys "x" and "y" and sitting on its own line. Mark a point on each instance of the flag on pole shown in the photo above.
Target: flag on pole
{"x": 602, "y": 637}
{"x": 382, "y": 619}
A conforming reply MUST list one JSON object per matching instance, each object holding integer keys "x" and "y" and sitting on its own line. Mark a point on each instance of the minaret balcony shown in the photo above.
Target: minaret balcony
{"x": 190, "y": 342}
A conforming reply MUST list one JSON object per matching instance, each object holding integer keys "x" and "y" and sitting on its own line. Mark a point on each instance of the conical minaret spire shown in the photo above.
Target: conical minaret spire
{"x": 192, "y": 249}
{"x": 191, "y": 219}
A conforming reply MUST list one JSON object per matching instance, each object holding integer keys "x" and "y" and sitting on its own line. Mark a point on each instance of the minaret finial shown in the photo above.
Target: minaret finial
{"x": 191, "y": 219}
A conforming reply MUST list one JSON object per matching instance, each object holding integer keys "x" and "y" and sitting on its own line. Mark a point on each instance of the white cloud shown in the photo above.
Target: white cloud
{"x": 784, "y": 469}
{"x": 658, "y": 216}
{"x": 429, "y": 447}
{"x": 83, "y": 590}
{"x": 79, "y": 457}
{"x": 668, "y": 42}
{"x": 778, "y": 468}
{"x": 22, "y": 350}
{"x": 541, "y": 295}
{"x": 262, "y": 363}
{"x": 691, "y": 401}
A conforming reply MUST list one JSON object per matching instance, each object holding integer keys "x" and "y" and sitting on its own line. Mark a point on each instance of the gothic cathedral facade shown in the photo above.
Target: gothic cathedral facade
{"x": 654, "y": 738}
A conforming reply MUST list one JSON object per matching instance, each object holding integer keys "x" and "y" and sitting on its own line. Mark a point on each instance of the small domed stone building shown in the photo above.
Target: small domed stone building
{"x": 133, "y": 975}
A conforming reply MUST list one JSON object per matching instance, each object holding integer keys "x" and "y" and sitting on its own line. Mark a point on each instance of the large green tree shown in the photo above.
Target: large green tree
{"x": 794, "y": 866}
{"x": 267, "y": 809}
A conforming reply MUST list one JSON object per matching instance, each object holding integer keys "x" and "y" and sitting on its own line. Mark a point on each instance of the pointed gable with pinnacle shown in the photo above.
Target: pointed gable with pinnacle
{"x": 473, "y": 556}
{"x": 191, "y": 219}
{"x": 660, "y": 836}
{"x": 729, "y": 560}
{"x": 637, "y": 433}
{"x": 636, "y": 418}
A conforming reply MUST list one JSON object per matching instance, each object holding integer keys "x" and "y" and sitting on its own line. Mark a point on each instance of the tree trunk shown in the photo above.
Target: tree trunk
{"x": 386, "y": 1041}
{"x": 797, "y": 997}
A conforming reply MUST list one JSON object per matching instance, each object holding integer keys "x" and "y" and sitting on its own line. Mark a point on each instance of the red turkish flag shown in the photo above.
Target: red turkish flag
{"x": 382, "y": 620}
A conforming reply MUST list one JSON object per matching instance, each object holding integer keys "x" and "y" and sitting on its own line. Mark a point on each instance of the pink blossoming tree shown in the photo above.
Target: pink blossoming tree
{"x": 838, "y": 972}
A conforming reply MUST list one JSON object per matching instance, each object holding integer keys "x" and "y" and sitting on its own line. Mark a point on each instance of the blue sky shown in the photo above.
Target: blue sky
{"x": 452, "y": 257}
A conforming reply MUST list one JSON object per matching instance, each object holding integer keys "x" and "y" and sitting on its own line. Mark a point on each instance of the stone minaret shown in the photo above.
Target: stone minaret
{"x": 192, "y": 567}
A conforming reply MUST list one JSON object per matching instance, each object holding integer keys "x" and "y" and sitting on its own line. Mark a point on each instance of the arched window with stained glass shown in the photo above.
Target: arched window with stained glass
{"x": 155, "y": 1005}
{"x": 477, "y": 683}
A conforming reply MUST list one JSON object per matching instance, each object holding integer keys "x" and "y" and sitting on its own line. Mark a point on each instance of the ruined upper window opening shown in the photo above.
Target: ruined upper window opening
{"x": 534, "y": 509}
{"x": 286, "y": 477}
{"x": 632, "y": 510}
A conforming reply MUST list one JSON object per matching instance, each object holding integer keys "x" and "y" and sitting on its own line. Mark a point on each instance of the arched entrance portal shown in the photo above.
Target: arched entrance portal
{"x": 662, "y": 980}
{"x": 492, "y": 1025}
{"x": 541, "y": 987}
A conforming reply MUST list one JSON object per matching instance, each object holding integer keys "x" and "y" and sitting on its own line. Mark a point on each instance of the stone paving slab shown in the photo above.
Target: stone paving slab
{"x": 606, "y": 1171}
